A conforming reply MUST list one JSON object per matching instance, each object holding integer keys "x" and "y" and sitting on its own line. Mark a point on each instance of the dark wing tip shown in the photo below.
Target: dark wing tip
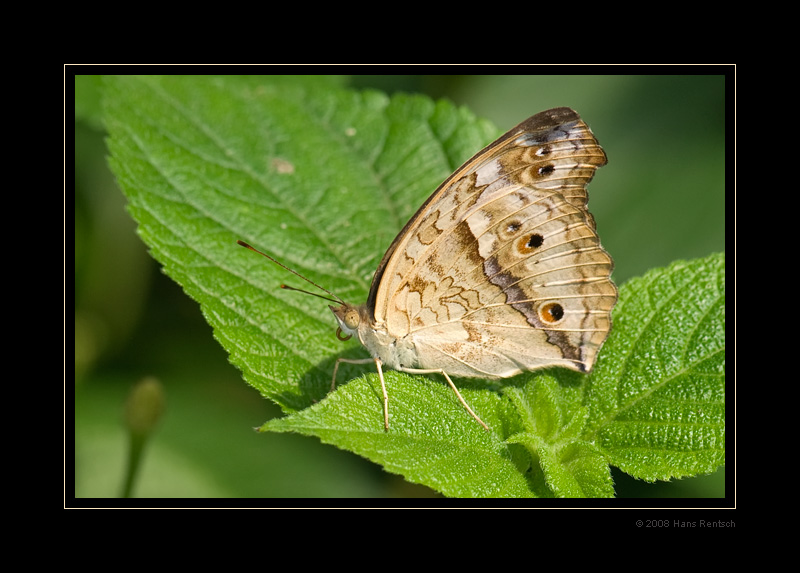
{"x": 549, "y": 119}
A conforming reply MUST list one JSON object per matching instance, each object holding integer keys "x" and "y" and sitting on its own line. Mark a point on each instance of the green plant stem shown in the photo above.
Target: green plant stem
{"x": 137, "y": 442}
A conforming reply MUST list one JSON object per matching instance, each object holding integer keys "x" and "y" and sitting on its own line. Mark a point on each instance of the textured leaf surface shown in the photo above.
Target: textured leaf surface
{"x": 657, "y": 400}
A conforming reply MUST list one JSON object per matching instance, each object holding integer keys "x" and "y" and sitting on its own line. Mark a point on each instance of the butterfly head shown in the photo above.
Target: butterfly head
{"x": 349, "y": 318}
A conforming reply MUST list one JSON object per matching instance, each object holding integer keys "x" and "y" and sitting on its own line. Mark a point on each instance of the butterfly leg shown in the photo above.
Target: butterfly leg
{"x": 378, "y": 365}
{"x": 349, "y": 361}
{"x": 385, "y": 395}
{"x": 453, "y": 386}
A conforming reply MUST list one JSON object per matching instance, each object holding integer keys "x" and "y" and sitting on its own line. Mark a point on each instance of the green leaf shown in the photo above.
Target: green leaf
{"x": 322, "y": 179}
{"x": 432, "y": 440}
{"x": 657, "y": 398}
{"x": 553, "y": 421}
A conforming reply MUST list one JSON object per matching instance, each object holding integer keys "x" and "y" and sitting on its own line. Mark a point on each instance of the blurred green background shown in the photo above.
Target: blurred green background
{"x": 660, "y": 198}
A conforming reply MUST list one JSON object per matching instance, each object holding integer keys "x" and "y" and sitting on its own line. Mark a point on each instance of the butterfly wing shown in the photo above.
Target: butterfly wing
{"x": 501, "y": 270}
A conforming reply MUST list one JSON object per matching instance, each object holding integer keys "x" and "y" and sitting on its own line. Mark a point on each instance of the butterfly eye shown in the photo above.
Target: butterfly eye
{"x": 351, "y": 319}
{"x": 551, "y": 313}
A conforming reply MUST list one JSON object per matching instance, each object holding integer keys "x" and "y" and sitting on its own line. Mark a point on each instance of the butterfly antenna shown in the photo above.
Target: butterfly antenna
{"x": 334, "y": 299}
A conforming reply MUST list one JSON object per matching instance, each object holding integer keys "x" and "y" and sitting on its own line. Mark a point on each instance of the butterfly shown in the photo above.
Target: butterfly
{"x": 499, "y": 272}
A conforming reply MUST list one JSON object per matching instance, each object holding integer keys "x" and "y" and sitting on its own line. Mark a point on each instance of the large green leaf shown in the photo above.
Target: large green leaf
{"x": 657, "y": 400}
{"x": 322, "y": 179}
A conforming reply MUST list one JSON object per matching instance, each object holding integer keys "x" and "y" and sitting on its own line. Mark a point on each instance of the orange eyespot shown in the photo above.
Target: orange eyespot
{"x": 551, "y": 313}
{"x": 530, "y": 243}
